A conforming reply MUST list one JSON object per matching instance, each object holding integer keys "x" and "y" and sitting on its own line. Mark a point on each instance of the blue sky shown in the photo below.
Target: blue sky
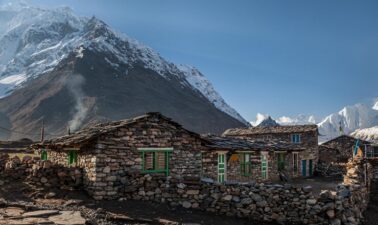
{"x": 276, "y": 57}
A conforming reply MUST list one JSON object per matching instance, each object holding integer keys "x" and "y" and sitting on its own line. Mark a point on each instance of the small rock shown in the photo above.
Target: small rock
{"x": 50, "y": 195}
{"x": 331, "y": 213}
{"x": 311, "y": 201}
{"x": 44, "y": 180}
{"x": 227, "y": 198}
{"x": 186, "y": 205}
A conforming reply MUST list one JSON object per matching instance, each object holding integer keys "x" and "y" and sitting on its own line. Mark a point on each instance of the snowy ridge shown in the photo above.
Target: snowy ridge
{"x": 369, "y": 134}
{"x": 285, "y": 120}
{"x": 196, "y": 79}
{"x": 351, "y": 118}
{"x": 33, "y": 41}
{"x": 297, "y": 120}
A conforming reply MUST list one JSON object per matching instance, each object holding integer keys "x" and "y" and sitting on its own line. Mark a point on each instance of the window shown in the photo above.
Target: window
{"x": 264, "y": 166}
{"x": 296, "y": 138}
{"x": 281, "y": 161}
{"x": 155, "y": 160}
{"x": 72, "y": 157}
{"x": 372, "y": 152}
{"x": 221, "y": 167}
{"x": 295, "y": 163}
{"x": 44, "y": 155}
{"x": 245, "y": 164}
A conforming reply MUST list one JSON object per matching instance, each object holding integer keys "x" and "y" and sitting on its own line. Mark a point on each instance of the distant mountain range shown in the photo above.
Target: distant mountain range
{"x": 360, "y": 120}
{"x": 70, "y": 71}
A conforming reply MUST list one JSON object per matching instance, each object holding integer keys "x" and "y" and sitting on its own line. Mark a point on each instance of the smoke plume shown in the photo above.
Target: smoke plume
{"x": 74, "y": 85}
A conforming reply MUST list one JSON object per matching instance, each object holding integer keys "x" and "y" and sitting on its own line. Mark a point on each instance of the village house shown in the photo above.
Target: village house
{"x": 296, "y": 148}
{"x": 240, "y": 160}
{"x": 112, "y": 155}
{"x": 341, "y": 148}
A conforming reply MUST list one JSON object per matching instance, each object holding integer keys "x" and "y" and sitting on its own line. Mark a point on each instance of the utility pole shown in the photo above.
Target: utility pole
{"x": 43, "y": 131}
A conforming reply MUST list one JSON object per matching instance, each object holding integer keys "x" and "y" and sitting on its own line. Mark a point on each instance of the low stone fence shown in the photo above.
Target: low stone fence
{"x": 39, "y": 173}
{"x": 285, "y": 204}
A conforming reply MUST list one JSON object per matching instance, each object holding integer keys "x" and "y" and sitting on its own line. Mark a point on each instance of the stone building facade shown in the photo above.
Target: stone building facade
{"x": 297, "y": 153}
{"x": 114, "y": 155}
{"x": 340, "y": 149}
{"x": 243, "y": 160}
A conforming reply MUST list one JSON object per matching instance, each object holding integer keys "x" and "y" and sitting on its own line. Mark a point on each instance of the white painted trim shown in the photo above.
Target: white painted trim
{"x": 221, "y": 152}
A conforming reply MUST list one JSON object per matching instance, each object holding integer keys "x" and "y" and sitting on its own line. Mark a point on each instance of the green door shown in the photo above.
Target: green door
{"x": 44, "y": 155}
{"x": 281, "y": 161}
{"x": 310, "y": 167}
{"x": 221, "y": 167}
{"x": 264, "y": 167}
{"x": 304, "y": 168}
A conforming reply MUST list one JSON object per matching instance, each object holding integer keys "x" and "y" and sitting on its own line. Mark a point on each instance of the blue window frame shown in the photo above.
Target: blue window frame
{"x": 296, "y": 138}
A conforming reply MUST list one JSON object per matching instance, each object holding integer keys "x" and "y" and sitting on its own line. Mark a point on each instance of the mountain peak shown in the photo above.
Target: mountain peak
{"x": 39, "y": 43}
{"x": 268, "y": 122}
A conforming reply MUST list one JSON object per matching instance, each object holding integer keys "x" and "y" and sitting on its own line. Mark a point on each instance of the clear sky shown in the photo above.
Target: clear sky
{"x": 276, "y": 57}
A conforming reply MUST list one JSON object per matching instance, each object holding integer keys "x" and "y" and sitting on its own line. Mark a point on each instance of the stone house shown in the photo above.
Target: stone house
{"x": 112, "y": 155}
{"x": 242, "y": 160}
{"x": 300, "y": 155}
{"x": 340, "y": 149}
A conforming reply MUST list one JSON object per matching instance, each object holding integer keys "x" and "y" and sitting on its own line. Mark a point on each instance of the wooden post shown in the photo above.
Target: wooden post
{"x": 43, "y": 131}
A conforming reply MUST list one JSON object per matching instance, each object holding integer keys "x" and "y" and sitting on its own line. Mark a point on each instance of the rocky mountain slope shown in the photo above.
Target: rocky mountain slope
{"x": 70, "y": 71}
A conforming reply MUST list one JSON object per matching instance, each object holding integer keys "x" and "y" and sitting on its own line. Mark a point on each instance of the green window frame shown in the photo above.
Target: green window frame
{"x": 155, "y": 160}
{"x": 245, "y": 164}
{"x": 44, "y": 155}
{"x": 264, "y": 167}
{"x": 295, "y": 163}
{"x": 72, "y": 157}
{"x": 281, "y": 161}
{"x": 221, "y": 167}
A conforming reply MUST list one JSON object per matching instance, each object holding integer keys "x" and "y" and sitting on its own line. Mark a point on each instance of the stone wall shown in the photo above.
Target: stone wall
{"x": 117, "y": 155}
{"x": 210, "y": 162}
{"x": 259, "y": 201}
{"x": 39, "y": 173}
{"x": 309, "y": 142}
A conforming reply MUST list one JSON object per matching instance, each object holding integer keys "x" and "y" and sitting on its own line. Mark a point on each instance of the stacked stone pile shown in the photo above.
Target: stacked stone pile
{"x": 336, "y": 170}
{"x": 40, "y": 173}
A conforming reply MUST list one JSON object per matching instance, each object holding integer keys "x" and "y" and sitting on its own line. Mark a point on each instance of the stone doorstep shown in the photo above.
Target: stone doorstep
{"x": 27, "y": 221}
{"x": 12, "y": 212}
{"x": 68, "y": 218}
{"x": 43, "y": 217}
{"x": 40, "y": 213}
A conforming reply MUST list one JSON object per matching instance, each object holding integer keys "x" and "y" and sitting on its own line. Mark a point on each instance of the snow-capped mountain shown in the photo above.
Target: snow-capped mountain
{"x": 349, "y": 119}
{"x": 264, "y": 120}
{"x": 369, "y": 134}
{"x": 199, "y": 81}
{"x": 268, "y": 122}
{"x": 297, "y": 120}
{"x": 36, "y": 43}
{"x": 285, "y": 120}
